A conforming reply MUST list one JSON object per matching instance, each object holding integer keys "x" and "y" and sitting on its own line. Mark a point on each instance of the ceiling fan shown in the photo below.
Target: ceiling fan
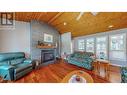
{"x": 82, "y": 13}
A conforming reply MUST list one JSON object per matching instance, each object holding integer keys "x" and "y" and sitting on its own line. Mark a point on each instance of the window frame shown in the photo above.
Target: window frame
{"x": 93, "y": 44}
{"x": 107, "y": 41}
{"x": 110, "y": 57}
{"x": 125, "y": 47}
{"x": 83, "y": 49}
{"x": 116, "y": 35}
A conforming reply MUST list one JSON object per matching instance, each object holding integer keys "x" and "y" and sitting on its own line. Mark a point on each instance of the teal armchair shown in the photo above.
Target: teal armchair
{"x": 124, "y": 74}
{"x": 14, "y": 65}
{"x": 6, "y": 72}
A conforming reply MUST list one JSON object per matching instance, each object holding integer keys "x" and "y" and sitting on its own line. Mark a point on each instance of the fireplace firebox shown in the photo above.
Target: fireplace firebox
{"x": 47, "y": 56}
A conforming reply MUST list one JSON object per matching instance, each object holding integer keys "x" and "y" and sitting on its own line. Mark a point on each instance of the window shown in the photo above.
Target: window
{"x": 106, "y": 46}
{"x": 118, "y": 47}
{"x": 117, "y": 42}
{"x": 101, "y": 47}
{"x": 90, "y": 45}
{"x": 48, "y": 38}
{"x": 81, "y": 44}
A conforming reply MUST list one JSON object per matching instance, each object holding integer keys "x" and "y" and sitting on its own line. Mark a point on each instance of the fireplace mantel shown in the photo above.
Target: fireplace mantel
{"x": 46, "y": 47}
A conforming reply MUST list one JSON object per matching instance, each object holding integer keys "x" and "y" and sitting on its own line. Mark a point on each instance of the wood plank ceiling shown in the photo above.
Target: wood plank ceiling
{"x": 86, "y": 25}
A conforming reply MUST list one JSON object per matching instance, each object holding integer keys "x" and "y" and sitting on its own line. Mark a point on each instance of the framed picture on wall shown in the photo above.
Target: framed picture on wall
{"x": 48, "y": 38}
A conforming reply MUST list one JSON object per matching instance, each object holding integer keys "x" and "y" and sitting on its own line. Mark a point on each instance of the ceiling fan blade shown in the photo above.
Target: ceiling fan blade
{"x": 80, "y": 15}
{"x": 94, "y": 13}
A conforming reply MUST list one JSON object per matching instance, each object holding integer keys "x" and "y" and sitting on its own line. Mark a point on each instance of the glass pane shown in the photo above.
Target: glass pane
{"x": 90, "y": 45}
{"x": 118, "y": 47}
{"x": 101, "y": 47}
{"x": 81, "y": 44}
{"x": 117, "y": 42}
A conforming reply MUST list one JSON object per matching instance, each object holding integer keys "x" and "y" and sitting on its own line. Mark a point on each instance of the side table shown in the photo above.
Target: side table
{"x": 105, "y": 64}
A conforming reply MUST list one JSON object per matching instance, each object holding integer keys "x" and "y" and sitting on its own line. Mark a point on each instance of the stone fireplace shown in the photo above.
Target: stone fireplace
{"x": 48, "y": 56}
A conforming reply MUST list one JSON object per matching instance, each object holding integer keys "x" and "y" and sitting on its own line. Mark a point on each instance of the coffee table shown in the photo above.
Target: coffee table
{"x": 80, "y": 73}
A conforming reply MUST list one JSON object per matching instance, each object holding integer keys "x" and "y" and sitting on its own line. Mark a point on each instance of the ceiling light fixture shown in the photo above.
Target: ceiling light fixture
{"x": 94, "y": 13}
{"x": 110, "y": 26}
{"x": 65, "y": 23}
{"x": 79, "y": 16}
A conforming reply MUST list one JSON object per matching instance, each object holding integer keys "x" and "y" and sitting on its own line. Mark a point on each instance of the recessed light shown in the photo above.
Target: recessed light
{"x": 65, "y": 23}
{"x": 110, "y": 26}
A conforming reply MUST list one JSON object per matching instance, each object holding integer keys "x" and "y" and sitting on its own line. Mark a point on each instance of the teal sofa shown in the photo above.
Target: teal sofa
{"x": 124, "y": 74}
{"x": 82, "y": 59}
{"x": 14, "y": 65}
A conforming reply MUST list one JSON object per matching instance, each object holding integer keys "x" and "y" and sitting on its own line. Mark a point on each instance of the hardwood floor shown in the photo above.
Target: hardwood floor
{"x": 54, "y": 73}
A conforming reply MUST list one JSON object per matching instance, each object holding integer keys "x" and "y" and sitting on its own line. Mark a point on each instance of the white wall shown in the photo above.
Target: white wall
{"x": 66, "y": 46}
{"x": 17, "y": 39}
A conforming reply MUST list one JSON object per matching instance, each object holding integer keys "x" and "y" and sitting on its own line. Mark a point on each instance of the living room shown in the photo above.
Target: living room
{"x": 46, "y": 47}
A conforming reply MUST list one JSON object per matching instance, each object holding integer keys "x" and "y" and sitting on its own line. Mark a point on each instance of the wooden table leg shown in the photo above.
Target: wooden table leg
{"x": 107, "y": 68}
{"x": 98, "y": 68}
{"x": 95, "y": 71}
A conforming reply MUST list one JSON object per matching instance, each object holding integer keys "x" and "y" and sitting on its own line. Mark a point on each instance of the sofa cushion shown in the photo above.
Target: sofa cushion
{"x": 5, "y": 57}
{"x": 11, "y": 56}
{"x": 5, "y": 63}
{"x": 77, "y": 54}
{"x": 83, "y": 54}
{"x": 17, "y": 61}
{"x": 28, "y": 61}
{"x": 21, "y": 67}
